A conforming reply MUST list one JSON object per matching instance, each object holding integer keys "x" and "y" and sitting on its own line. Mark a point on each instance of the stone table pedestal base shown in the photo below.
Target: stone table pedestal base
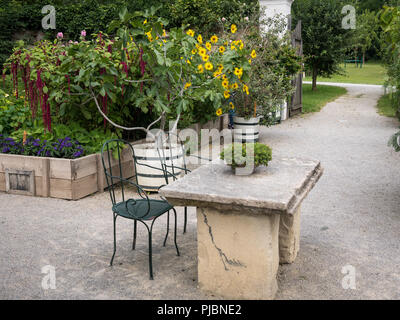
{"x": 246, "y": 224}
{"x": 238, "y": 255}
{"x": 289, "y": 237}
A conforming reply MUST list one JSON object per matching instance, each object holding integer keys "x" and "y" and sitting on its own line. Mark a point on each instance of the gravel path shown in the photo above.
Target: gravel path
{"x": 352, "y": 217}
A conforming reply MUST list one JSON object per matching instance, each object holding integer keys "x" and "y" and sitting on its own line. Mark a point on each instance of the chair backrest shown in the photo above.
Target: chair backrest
{"x": 118, "y": 159}
{"x": 171, "y": 151}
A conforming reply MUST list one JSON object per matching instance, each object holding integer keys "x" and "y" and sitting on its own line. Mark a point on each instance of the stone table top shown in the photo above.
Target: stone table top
{"x": 279, "y": 188}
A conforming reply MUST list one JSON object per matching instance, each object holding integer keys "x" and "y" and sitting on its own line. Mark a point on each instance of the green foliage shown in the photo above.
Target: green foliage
{"x": 323, "y": 37}
{"x": 273, "y": 69}
{"x": 205, "y": 15}
{"x": 72, "y": 16}
{"x": 239, "y": 154}
{"x": 389, "y": 18}
{"x": 365, "y": 35}
{"x": 14, "y": 114}
{"x": 386, "y": 106}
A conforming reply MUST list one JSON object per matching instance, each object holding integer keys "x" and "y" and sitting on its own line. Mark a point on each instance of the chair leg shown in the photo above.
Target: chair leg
{"x": 150, "y": 257}
{"x": 166, "y": 236}
{"x": 115, "y": 240}
{"x": 134, "y": 235}
{"x": 185, "y": 221}
{"x": 176, "y": 222}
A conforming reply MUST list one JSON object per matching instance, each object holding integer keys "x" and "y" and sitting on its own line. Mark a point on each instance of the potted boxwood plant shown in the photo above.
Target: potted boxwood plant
{"x": 246, "y": 156}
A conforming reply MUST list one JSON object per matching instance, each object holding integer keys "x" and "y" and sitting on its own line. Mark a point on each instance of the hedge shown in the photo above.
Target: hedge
{"x": 17, "y": 16}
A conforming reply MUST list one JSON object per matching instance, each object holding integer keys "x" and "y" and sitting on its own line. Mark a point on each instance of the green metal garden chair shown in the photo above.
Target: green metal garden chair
{"x": 169, "y": 163}
{"x": 143, "y": 209}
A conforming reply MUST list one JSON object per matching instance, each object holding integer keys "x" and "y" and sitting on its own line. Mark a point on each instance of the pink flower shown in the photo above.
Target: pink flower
{"x": 83, "y": 33}
{"x": 223, "y": 19}
{"x": 60, "y": 35}
{"x": 246, "y": 18}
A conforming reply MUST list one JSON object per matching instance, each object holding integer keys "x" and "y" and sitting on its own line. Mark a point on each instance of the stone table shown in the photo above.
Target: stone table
{"x": 246, "y": 225}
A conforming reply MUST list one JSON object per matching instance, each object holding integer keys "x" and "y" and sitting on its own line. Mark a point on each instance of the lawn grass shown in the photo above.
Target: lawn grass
{"x": 370, "y": 73}
{"x": 314, "y": 101}
{"x": 386, "y": 107}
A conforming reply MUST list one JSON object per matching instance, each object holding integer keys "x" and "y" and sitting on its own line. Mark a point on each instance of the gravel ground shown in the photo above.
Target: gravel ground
{"x": 352, "y": 217}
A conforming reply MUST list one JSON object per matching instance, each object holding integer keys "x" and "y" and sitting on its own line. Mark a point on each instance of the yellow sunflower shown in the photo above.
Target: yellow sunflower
{"x": 219, "y": 112}
{"x": 246, "y": 89}
{"x": 208, "y": 46}
{"x": 200, "y": 39}
{"x": 202, "y": 51}
{"x": 232, "y": 105}
{"x": 209, "y": 66}
{"x": 254, "y": 54}
{"x": 222, "y": 49}
{"x": 200, "y": 68}
{"x": 235, "y": 85}
{"x": 214, "y": 39}
{"x": 238, "y": 72}
{"x": 205, "y": 58}
{"x": 233, "y": 28}
{"x": 194, "y": 51}
{"x": 226, "y": 94}
{"x": 225, "y": 84}
{"x": 188, "y": 85}
{"x": 190, "y": 32}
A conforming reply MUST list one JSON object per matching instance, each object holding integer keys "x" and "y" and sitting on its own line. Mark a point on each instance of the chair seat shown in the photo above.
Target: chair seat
{"x": 137, "y": 208}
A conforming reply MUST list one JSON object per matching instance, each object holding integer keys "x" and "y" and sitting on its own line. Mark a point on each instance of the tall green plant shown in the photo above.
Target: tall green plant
{"x": 324, "y": 39}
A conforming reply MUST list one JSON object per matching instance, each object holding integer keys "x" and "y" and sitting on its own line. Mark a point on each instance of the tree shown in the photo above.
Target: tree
{"x": 365, "y": 35}
{"x": 323, "y": 35}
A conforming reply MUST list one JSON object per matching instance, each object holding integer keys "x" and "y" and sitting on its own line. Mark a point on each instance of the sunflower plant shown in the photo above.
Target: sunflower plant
{"x": 226, "y": 59}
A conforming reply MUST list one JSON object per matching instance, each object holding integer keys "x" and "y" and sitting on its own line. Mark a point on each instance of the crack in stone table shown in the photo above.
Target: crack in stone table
{"x": 246, "y": 225}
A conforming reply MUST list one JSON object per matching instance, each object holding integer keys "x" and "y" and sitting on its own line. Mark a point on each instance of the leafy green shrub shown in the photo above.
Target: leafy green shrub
{"x": 14, "y": 114}
{"x": 239, "y": 154}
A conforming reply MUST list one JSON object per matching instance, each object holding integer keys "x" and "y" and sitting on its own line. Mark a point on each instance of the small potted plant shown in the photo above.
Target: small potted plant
{"x": 244, "y": 158}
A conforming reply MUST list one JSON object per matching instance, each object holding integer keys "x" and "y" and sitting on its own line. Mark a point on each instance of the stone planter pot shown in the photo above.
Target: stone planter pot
{"x": 239, "y": 171}
{"x": 246, "y": 130}
{"x": 147, "y": 155}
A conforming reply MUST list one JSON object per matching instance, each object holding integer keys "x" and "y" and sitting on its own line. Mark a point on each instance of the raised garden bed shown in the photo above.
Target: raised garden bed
{"x": 70, "y": 179}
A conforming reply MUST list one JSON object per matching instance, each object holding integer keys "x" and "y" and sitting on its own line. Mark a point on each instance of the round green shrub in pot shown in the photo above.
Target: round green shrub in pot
{"x": 240, "y": 155}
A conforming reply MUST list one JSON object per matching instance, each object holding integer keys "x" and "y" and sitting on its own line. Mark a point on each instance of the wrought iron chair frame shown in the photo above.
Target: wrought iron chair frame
{"x": 119, "y": 179}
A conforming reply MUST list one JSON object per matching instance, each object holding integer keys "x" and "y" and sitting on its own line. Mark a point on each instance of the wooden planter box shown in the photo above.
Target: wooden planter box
{"x": 58, "y": 178}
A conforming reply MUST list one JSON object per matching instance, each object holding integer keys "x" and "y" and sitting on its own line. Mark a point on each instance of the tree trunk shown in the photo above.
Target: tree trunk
{"x": 314, "y": 78}
{"x": 363, "y": 57}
